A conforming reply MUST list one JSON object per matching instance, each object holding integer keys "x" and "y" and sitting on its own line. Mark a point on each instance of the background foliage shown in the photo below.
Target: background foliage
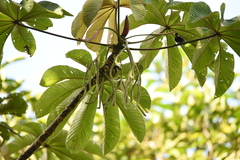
{"x": 187, "y": 125}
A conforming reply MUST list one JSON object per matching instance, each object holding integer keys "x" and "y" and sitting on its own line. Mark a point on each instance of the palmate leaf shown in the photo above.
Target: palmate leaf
{"x": 58, "y": 73}
{"x": 230, "y": 34}
{"x": 57, "y": 93}
{"x": 81, "y": 128}
{"x": 173, "y": 63}
{"x": 92, "y": 18}
{"x": 224, "y": 73}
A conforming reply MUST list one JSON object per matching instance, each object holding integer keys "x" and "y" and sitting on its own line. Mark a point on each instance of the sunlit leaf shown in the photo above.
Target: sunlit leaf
{"x": 57, "y": 93}
{"x": 224, "y": 73}
{"x": 81, "y": 128}
{"x": 138, "y": 9}
{"x": 58, "y": 73}
{"x": 81, "y": 56}
{"x": 90, "y": 10}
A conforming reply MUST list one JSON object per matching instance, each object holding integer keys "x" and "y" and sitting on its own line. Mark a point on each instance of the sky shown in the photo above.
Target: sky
{"x": 51, "y": 50}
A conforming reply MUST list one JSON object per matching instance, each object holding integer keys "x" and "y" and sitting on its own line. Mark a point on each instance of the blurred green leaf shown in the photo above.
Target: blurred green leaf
{"x": 14, "y": 104}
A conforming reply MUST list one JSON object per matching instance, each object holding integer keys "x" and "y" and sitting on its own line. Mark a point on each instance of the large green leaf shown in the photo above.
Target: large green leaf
{"x": 58, "y": 73}
{"x": 56, "y": 94}
{"x": 111, "y": 125}
{"x": 205, "y": 53}
{"x": 173, "y": 64}
{"x": 23, "y": 40}
{"x": 81, "y": 56}
{"x": 230, "y": 34}
{"x": 224, "y": 73}
{"x": 81, "y": 128}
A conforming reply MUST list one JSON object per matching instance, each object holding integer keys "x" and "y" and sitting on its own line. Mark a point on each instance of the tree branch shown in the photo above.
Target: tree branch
{"x": 107, "y": 70}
